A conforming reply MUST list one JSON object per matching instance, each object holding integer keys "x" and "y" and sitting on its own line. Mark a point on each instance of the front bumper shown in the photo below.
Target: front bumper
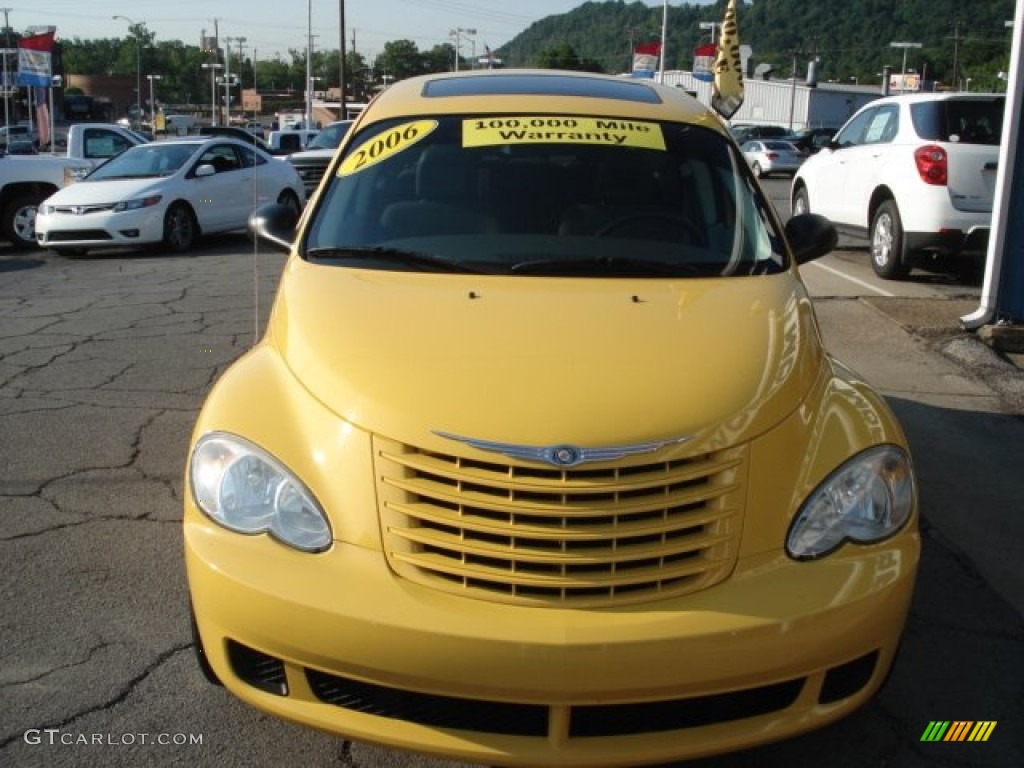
{"x": 100, "y": 230}
{"x": 337, "y": 642}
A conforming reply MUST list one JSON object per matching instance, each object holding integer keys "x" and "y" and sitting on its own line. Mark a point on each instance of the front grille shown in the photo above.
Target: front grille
{"x": 82, "y": 210}
{"x": 311, "y": 173}
{"x": 75, "y": 235}
{"x": 591, "y": 721}
{"x": 605, "y": 534}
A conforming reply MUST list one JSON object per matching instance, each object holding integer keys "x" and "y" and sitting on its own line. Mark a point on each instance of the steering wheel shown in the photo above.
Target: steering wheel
{"x": 653, "y": 225}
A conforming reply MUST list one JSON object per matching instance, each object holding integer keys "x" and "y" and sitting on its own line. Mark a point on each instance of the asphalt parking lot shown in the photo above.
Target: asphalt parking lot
{"x": 103, "y": 364}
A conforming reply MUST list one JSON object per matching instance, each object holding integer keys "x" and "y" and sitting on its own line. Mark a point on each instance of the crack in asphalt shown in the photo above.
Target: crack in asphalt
{"x": 125, "y": 691}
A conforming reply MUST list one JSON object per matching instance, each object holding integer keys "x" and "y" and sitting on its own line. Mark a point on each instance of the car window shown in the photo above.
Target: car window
{"x": 882, "y": 125}
{"x": 101, "y": 143}
{"x": 853, "y": 132}
{"x": 330, "y": 137}
{"x": 487, "y": 194}
{"x": 145, "y": 160}
{"x": 249, "y": 157}
{"x": 968, "y": 121}
{"x": 222, "y": 157}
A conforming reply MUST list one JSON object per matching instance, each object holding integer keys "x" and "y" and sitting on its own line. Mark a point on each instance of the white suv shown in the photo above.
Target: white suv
{"x": 913, "y": 173}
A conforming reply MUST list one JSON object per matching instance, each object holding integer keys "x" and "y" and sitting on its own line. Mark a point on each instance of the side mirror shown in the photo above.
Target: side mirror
{"x": 204, "y": 170}
{"x": 811, "y": 236}
{"x": 274, "y": 224}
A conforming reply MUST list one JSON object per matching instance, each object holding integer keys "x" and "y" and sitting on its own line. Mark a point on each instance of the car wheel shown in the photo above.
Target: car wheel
{"x": 290, "y": 200}
{"x": 888, "y": 256}
{"x": 756, "y": 168}
{"x": 180, "y": 228}
{"x": 19, "y": 224}
{"x": 801, "y": 202}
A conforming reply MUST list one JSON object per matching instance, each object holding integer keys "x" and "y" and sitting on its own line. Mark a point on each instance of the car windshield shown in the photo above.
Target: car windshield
{"x": 330, "y": 137}
{"x": 145, "y": 160}
{"x": 553, "y": 195}
{"x": 780, "y": 146}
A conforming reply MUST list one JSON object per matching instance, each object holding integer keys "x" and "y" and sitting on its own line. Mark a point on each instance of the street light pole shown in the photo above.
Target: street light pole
{"x": 457, "y": 34}
{"x": 152, "y": 102}
{"x": 7, "y": 46}
{"x": 138, "y": 67}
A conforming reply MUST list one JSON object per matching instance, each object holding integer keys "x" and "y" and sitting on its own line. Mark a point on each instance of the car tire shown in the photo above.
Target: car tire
{"x": 756, "y": 168}
{"x": 888, "y": 245}
{"x": 801, "y": 202}
{"x": 180, "y": 229}
{"x": 19, "y": 221}
{"x": 290, "y": 200}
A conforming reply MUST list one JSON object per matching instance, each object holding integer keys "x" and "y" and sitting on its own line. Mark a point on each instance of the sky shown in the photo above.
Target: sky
{"x": 273, "y": 27}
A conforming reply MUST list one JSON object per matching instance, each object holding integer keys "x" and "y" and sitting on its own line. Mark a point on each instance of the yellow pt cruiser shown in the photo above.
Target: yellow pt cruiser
{"x": 541, "y": 461}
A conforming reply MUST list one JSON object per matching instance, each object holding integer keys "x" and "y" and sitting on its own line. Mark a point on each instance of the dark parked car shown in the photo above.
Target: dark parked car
{"x": 810, "y": 140}
{"x": 236, "y": 133}
{"x": 747, "y": 131}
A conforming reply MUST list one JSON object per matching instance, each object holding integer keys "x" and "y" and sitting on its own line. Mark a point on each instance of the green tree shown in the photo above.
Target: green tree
{"x": 564, "y": 56}
{"x": 400, "y": 59}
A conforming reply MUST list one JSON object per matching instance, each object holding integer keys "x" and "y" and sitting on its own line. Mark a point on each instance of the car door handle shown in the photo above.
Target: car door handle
{"x": 991, "y": 166}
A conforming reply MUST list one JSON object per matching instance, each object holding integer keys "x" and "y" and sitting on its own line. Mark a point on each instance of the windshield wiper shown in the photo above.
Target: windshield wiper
{"x": 424, "y": 261}
{"x": 605, "y": 266}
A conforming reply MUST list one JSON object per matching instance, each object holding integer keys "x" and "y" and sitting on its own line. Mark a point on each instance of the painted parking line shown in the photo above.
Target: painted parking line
{"x": 858, "y": 281}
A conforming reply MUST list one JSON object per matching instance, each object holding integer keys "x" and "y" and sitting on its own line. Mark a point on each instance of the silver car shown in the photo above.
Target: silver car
{"x": 768, "y": 156}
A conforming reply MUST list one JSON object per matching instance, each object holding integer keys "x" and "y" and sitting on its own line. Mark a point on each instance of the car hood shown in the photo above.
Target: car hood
{"x": 88, "y": 192}
{"x": 544, "y": 361}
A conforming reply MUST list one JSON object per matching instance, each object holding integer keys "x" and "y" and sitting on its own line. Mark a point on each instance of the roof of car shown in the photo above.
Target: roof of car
{"x": 544, "y": 91}
{"x": 935, "y": 96}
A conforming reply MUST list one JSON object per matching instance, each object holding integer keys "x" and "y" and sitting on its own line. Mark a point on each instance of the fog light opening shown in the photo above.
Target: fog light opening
{"x": 258, "y": 669}
{"x": 847, "y": 679}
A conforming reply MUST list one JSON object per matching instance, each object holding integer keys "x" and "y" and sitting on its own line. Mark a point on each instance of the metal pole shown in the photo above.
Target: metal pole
{"x": 341, "y": 57}
{"x": 7, "y": 45}
{"x": 309, "y": 65}
{"x": 138, "y": 66}
{"x": 664, "y": 29}
{"x": 227, "y": 80}
{"x": 152, "y": 102}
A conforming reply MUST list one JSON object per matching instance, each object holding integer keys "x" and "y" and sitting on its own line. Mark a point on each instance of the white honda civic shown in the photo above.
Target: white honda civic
{"x": 168, "y": 193}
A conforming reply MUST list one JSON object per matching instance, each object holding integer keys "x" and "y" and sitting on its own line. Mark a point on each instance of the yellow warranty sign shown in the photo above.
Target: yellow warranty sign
{"x": 385, "y": 145}
{"x": 556, "y": 129}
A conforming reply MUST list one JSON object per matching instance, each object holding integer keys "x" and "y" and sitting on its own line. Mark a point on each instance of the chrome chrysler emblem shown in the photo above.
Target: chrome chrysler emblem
{"x": 563, "y": 455}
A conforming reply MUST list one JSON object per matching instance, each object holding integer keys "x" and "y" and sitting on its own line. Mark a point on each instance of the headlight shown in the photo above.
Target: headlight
{"x": 247, "y": 490}
{"x": 134, "y": 205}
{"x": 867, "y": 499}
{"x": 46, "y": 209}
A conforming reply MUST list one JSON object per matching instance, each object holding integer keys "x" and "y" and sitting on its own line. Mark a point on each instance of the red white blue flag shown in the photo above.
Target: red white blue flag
{"x": 645, "y": 59}
{"x": 35, "y": 56}
{"x": 704, "y": 62}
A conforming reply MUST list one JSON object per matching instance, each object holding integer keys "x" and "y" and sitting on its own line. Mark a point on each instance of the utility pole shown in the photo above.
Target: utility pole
{"x": 227, "y": 80}
{"x": 956, "y": 24}
{"x": 308, "y": 118}
{"x": 7, "y": 46}
{"x": 341, "y": 57}
{"x": 241, "y": 64}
